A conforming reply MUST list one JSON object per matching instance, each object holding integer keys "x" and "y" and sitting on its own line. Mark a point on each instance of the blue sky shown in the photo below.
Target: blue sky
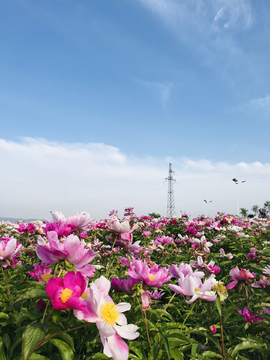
{"x": 142, "y": 82}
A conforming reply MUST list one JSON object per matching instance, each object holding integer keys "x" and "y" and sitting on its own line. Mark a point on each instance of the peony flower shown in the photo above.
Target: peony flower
{"x": 9, "y": 247}
{"x": 115, "y": 225}
{"x": 41, "y": 273}
{"x": 239, "y": 275}
{"x": 185, "y": 269}
{"x": 191, "y": 285}
{"x": 65, "y": 293}
{"x": 249, "y": 316}
{"x": 156, "y": 295}
{"x": 222, "y": 254}
{"x": 154, "y": 276}
{"x": 267, "y": 270}
{"x": 110, "y": 321}
{"x": 213, "y": 329}
{"x": 124, "y": 284}
{"x": 71, "y": 249}
{"x": 79, "y": 221}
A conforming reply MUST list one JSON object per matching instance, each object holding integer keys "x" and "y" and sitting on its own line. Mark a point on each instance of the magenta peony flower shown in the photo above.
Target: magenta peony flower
{"x": 249, "y": 316}
{"x": 213, "y": 329}
{"x": 124, "y": 284}
{"x": 65, "y": 293}
{"x": 41, "y": 273}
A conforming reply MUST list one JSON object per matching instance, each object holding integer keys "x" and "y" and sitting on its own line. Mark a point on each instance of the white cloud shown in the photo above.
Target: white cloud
{"x": 38, "y": 176}
{"x": 262, "y": 104}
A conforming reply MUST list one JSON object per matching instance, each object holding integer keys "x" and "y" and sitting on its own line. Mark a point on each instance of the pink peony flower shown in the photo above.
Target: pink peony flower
{"x": 156, "y": 295}
{"x": 239, "y": 275}
{"x": 9, "y": 248}
{"x": 267, "y": 270}
{"x": 71, "y": 249}
{"x": 115, "y": 225}
{"x": 110, "y": 321}
{"x": 222, "y": 254}
{"x": 185, "y": 269}
{"x": 65, "y": 293}
{"x": 146, "y": 300}
{"x": 146, "y": 233}
{"x": 191, "y": 285}
{"x": 153, "y": 276}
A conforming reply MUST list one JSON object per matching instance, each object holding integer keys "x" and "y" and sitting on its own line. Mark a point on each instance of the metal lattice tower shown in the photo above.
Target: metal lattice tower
{"x": 170, "y": 198}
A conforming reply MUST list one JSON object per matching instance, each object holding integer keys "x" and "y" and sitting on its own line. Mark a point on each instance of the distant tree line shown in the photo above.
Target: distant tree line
{"x": 257, "y": 211}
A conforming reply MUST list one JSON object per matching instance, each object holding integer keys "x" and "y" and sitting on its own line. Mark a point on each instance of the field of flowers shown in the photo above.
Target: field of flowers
{"x": 137, "y": 288}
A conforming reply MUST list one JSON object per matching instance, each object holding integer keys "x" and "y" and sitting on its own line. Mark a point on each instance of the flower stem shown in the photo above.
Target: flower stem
{"x": 109, "y": 265}
{"x": 145, "y": 321}
{"x": 60, "y": 332}
{"x": 42, "y": 321}
{"x": 171, "y": 299}
{"x": 222, "y": 338}
{"x": 190, "y": 311}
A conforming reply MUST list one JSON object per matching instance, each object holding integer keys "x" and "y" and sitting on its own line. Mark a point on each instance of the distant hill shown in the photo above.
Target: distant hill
{"x": 3, "y": 218}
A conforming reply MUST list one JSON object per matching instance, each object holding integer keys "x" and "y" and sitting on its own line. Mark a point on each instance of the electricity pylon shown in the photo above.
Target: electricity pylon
{"x": 170, "y": 197}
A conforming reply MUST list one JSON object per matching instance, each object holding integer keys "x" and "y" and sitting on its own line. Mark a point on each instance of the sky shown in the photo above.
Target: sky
{"x": 98, "y": 97}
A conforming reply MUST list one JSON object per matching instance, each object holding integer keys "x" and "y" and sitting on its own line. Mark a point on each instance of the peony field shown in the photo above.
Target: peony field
{"x": 137, "y": 287}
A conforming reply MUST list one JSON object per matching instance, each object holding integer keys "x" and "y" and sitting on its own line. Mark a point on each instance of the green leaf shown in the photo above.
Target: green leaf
{"x": 32, "y": 335}
{"x": 167, "y": 345}
{"x": 33, "y": 293}
{"x": 176, "y": 354}
{"x": 247, "y": 345}
{"x": 137, "y": 351}
{"x": 64, "y": 349}
{"x": 218, "y": 305}
{"x": 211, "y": 354}
{"x": 100, "y": 356}
{"x": 3, "y": 315}
{"x": 6, "y": 340}
{"x": 38, "y": 357}
{"x": 153, "y": 354}
{"x": 230, "y": 310}
{"x": 2, "y": 353}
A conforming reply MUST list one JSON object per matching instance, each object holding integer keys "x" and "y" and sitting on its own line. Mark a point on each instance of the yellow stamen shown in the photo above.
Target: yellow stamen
{"x": 152, "y": 277}
{"x": 46, "y": 277}
{"x": 109, "y": 313}
{"x": 3, "y": 253}
{"x": 84, "y": 295}
{"x": 65, "y": 295}
{"x": 197, "y": 289}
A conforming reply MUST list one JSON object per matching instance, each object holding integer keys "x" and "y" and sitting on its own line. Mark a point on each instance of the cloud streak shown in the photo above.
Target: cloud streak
{"x": 162, "y": 90}
{"x": 207, "y": 27}
{"x": 262, "y": 104}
